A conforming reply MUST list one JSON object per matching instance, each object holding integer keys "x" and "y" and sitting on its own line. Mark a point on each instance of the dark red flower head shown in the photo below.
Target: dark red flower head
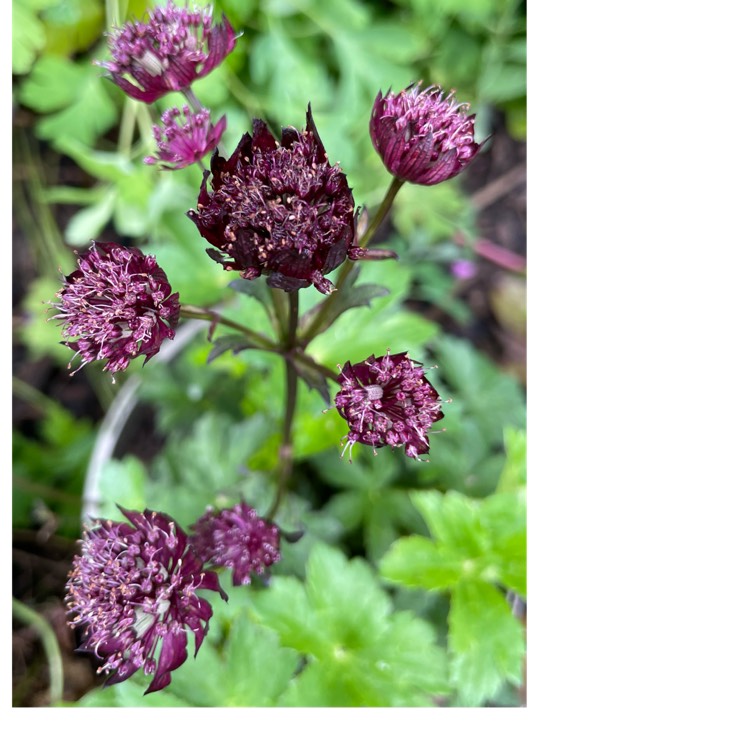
{"x": 423, "y": 137}
{"x": 119, "y": 304}
{"x": 169, "y": 51}
{"x": 239, "y": 539}
{"x": 388, "y": 401}
{"x": 133, "y": 589}
{"x": 185, "y": 138}
{"x": 278, "y": 209}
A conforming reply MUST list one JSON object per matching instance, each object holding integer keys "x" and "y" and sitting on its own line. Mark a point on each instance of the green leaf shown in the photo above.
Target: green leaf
{"x": 249, "y": 668}
{"x": 233, "y": 342}
{"x": 514, "y": 470}
{"x": 28, "y": 36}
{"x": 129, "y": 694}
{"x": 313, "y": 377}
{"x": 53, "y": 83}
{"x": 207, "y": 463}
{"x": 358, "y": 652}
{"x": 90, "y": 114}
{"x": 124, "y": 483}
{"x": 453, "y": 521}
{"x": 492, "y": 397}
{"x": 259, "y": 290}
{"x": 39, "y": 332}
{"x": 437, "y": 213}
{"x": 486, "y": 642}
{"x": 350, "y": 605}
{"x": 503, "y": 517}
{"x": 88, "y": 223}
{"x": 419, "y": 562}
{"x": 346, "y": 297}
{"x": 286, "y": 609}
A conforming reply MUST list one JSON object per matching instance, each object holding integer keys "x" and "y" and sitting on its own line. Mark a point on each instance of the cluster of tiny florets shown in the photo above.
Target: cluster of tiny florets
{"x": 117, "y": 305}
{"x": 133, "y": 590}
{"x": 423, "y": 136}
{"x": 171, "y": 49}
{"x": 239, "y": 539}
{"x": 279, "y": 209}
{"x": 388, "y": 401}
{"x": 185, "y": 138}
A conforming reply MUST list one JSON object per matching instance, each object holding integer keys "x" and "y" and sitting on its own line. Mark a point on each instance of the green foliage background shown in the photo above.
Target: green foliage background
{"x": 398, "y": 592}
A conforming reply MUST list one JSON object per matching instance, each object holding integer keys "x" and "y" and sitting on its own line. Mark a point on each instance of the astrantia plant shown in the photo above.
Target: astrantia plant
{"x": 278, "y": 209}
{"x": 280, "y": 217}
{"x": 118, "y": 304}
{"x": 185, "y": 138}
{"x": 423, "y": 135}
{"x": 133, "y": 589}
{"x": 172, "y": 48}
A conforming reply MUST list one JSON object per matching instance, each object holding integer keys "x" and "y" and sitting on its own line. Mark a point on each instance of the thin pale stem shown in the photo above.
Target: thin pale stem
{"x": 286, "y": 449}
{"x": 192, "y": 99}
{"x": 51, "y": 647}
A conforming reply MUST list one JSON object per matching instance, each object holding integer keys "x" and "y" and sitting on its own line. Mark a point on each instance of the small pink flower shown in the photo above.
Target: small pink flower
{"x": 119, "y": 304}
{"x": 388, "y": 401}
{"x": 133, "y": 589}
{"x": 423, "y": 137}
{"x": 169, "y": 51}
{"x": 185, "y": 138}
{"x": 239, "y": 539}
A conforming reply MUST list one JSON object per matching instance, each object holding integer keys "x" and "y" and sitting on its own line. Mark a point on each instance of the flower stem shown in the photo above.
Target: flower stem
{"x": 315, "y": 325}
{"x": 192, "y": 99}
{"x": 51, "y": 647}
{"x": 286, "y": 449}
{"x": 382, "y": 211}
{"x": 201, "y": 313}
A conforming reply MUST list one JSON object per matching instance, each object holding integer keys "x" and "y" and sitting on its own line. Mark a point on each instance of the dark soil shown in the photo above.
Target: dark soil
{"x": 41, "y": 557}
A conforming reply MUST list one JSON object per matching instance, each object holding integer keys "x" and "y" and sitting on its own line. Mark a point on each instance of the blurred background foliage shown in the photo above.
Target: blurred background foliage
{"x": 212, "y": 432}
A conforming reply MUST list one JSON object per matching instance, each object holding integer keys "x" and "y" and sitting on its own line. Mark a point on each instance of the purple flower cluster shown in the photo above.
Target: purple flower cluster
{"x": 422, "y": 136}
{"x": 388, "y": 401}
{"x": 119, "y": 305}
{"x": 185, "y": 138}
{"x": 279, "y": 209}
{"x": 169, "y": 51}
{"x": 237, "y": 538}
{"x": 133, "y": 589}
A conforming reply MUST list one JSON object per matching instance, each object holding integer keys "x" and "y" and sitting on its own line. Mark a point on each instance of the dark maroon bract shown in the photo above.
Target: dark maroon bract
{"x": 423, "y": 137}
{"x": 278, "y": 209}
{"x": 169, "y": 51}
{"x": 388, "y": 401}
{"x": 185, "y": 138}
{"x": 133, "y": 589}
{"x": 119, "y": 305}
{"x": 239, "y": 539}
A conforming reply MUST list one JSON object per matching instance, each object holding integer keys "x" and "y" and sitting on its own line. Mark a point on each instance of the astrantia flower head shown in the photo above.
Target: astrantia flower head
{"x": 388, "y": 401}
{"x": 239, "y": 539}
{"x": 119, "y": 304}
{"x": 169, "y": 51}
{"x": 278, "y": 209}
{"x": 185, "y": 138}
{"x": 133, "y": 589}
{"x": 423, "y": 137}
